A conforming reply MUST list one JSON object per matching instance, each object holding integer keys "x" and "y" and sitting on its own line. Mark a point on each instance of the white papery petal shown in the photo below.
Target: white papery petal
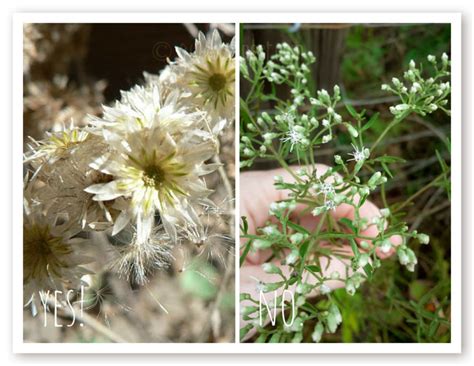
{"x": 121, "y": 222}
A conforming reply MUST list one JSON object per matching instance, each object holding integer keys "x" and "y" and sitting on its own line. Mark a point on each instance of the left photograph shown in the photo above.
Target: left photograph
{"x": 129, "y": 167}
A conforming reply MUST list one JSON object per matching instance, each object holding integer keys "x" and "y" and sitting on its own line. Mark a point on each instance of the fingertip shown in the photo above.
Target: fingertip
{"x": 396, "y": 240}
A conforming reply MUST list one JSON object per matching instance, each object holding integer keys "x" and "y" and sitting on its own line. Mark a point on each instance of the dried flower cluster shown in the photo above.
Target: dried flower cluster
{"x": 51, "y": 53}
{"x": 135, "y": 173}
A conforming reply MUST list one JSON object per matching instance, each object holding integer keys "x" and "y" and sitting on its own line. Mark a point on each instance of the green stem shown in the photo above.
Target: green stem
{"x": 314, "y": 234}
{"x": 394, "y": 122}
{"x": 425, "y": 188}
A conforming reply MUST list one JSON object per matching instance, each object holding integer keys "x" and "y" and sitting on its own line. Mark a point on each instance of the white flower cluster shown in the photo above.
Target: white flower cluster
{"x": 138, "y": 167}
{"x": 289, "y": 62}
{"x": 289, "y": 65}
{"x": 420, "y": 95}
{"x": 295, "y": 130}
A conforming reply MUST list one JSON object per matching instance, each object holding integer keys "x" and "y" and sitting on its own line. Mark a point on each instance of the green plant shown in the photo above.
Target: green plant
{"x": 290, "y": 134}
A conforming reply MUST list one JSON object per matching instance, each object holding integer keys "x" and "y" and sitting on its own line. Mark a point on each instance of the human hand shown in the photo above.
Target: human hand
{"x": 257, "y": 193}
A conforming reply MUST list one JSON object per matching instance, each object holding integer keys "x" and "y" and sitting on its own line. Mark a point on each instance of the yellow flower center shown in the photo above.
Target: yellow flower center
{"x": 217, "y": 82}
{"x": 153, "y": 176}
{"x": 43, "y": 254}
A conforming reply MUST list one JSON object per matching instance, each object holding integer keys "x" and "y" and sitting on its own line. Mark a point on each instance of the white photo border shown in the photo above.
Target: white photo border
{"x": 19, "y": 346}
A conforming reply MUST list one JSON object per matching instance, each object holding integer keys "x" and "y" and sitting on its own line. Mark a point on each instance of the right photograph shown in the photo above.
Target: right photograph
{"x": 345, "y": 183}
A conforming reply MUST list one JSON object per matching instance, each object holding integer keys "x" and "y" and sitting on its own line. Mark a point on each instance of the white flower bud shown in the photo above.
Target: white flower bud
{"x": 415, "y": 87}
{"x": 396, "y": 82}
{"x": 261, "y": 244}
{"x": 292, "y": 257}
{"x": 363, "y": 260}
{"x": 270, "y": 268}
{"x": 326, "y": 139}
{"x": 270, "y": 230}
{"x": 248, "y": 152}
{"x": 352, "y": 131}
{"x": 318, "y": 211}
{"x": 318, "y": 332}
{"x": 444, "y": 58}
{"x": 374, "y": 179}
{"x": 278, "y": 179}
{"x": 350, "y": 287}
{"x": 314, "y": 122}
{"x": 386, "y": 246}
{"x": 402, "y": 107}
{"x": 423, "y": 238}
{"x": 324, "y": 289}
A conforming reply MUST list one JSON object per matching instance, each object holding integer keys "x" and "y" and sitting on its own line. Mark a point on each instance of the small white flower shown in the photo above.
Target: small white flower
{"x": 328, "y": 206}
{"x": 359, "y": 154}
{"x": 326, "y": 188}
{"x": 295, "y": 135}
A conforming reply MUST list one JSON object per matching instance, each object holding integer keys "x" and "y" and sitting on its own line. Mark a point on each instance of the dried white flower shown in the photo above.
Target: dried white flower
{"x": 157, "y": 172}
{"x": 208, "y": 75}
{"x": 52, "y": 258}
{"x": 137, "y": 260}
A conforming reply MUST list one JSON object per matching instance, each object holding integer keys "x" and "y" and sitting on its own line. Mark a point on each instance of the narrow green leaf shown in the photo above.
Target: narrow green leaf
{"x": 370, "y": 122}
